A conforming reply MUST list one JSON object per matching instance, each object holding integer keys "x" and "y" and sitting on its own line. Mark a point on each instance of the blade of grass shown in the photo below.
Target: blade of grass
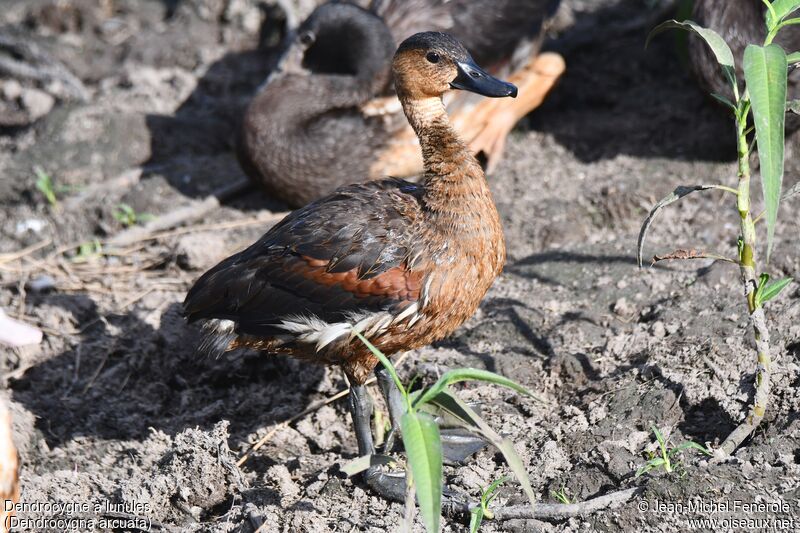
{"x": 468, "y": 374}
{"x": 424, "y": 449}
{"x": 460, "y": 410}
{"x": 690, "y": 445}
{"x": 765, "y": 74}
{"x": 386, "y": 364}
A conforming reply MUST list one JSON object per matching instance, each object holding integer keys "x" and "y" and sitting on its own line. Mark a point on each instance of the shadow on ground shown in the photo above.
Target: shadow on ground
{"x": 124, "y": 377}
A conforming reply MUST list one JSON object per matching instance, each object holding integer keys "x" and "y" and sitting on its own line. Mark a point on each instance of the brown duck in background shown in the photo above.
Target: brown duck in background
{"x": 405, "y": 264}
{"x": 739, "y": 22}
{"x": 328, "y": 115}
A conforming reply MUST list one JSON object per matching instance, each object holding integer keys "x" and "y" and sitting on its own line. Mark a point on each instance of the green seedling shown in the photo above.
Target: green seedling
{"x": 422, "y": 440}
{"x": 45, "y": 185}
{"x": 127, "y": 216}
{"x": 87, "y": 251}
{"x": 758, "y": 108}
{"x": 561, "y": 496}
{"x": 665, "y": 459}
{"x": 479, "y": 512}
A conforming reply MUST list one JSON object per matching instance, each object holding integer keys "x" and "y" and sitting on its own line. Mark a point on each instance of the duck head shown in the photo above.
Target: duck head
{"x": 341, "y": 39}
{"x": 430, "y": 63}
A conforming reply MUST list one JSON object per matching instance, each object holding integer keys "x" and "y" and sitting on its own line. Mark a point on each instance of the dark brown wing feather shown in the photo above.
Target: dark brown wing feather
{"x": 346, "y": 253}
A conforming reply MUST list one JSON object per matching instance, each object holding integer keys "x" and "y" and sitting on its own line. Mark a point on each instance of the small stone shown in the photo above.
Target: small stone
{"x": 35, "y": 225}
{"x": 38, "y": 103}
{"x": 198, "y": 251}
{"x": 658, "y": 329}
{"x": 623, "y": 307}
{"x": 11, "y": 89}
{"x": 41, "y": 283}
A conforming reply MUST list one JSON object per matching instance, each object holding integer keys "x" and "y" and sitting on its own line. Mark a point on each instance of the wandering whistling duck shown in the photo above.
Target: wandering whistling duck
{"x": 404, "y": 264}
{"x": 739, "y": 22}
{"x": 332, "y": 92}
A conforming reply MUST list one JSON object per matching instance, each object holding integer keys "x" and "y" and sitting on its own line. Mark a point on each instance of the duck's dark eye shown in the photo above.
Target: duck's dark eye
{"x": 307, "y": 37}
{"x": 433, "y": 57}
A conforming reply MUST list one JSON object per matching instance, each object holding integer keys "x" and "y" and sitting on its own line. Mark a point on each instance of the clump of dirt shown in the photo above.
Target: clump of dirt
{"x": 196, "y": 472}
{"x": 115, "y": 407}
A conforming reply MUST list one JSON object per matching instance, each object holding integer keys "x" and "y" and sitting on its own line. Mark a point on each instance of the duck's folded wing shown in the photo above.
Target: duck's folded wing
{"x": 341, "y": 257}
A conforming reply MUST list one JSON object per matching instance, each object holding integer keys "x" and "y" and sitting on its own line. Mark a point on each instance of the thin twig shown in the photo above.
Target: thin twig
{"x": 193, "y": 211}
{"x": 551, "y": 510}
{"x": 126, "y": 180}
{"x": 5, "y": 258}
{"x": 561, "y": 510}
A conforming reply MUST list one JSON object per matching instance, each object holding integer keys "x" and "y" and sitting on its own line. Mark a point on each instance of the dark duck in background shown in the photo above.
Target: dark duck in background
{"x": 328, "y": 115}
{"x": 405, "y": 264}
{"x": 739, "y": 22}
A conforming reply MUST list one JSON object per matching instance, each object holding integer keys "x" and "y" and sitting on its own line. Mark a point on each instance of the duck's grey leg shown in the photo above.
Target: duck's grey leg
{"x": 389, "y": 486}
{"x": 394, "y": 402}
{"x": 361, "y": 411}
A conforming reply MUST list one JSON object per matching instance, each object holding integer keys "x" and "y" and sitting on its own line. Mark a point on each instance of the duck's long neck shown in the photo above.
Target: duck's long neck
{"x": 453, "y": 178}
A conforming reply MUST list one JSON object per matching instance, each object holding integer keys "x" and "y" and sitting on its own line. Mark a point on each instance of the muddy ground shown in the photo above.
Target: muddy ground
{"x": 114, "y": 406}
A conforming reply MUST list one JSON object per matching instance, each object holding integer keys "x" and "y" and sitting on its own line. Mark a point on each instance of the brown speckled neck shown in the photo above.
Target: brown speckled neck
{"x": 455, "y": 186}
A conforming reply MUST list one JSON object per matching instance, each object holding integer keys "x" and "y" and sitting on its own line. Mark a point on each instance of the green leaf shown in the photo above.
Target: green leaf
{"x": 772, "y": 290}
{"x": 468, "y": 374}
{"x": 358, "y": 465}
{"x": 490, "y": 492}
{"x": 423, "y": 446}
{"x": 514, "y": 461}
{"x": 660, "y": 438}
{"x": 387, "y": 364}
{"x": 793, "y": 58}
{"x": 717, "y": 44}
{"x": 723, "y": 100}
{"x": 763, "y": 279}
{"x": 780, "y": 9}
{"x": 692, "y": 445}
{"x": 674, "y": 196}
{"x": 45, "y": 185}
{"x": 473, "y": 422}
{"x": 478, "y": 512}
{"x": 475, "y": 519}
{"x": 766, "y": 77}
{"x": 650, "y": 465}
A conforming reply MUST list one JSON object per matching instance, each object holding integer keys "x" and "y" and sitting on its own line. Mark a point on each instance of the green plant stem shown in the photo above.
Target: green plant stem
{"x": 747, "y": 266}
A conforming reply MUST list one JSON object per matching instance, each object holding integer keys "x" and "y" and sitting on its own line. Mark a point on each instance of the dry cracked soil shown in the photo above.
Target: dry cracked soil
{"x": 114, "y": 408}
